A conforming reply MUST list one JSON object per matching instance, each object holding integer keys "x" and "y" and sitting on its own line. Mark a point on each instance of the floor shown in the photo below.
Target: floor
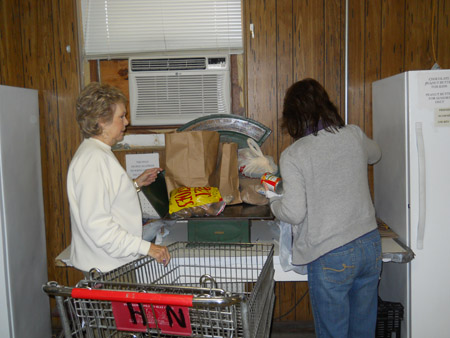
{"x": 292, "y": 330}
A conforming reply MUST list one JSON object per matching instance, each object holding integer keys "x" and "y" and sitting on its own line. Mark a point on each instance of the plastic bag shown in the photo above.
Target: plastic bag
{"x": 253, "y": 163}
{"x": 285, "y": 250}
{"x": 187, "y": 202}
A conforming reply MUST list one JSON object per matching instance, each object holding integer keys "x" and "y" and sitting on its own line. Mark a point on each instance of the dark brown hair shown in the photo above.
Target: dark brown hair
{"x": 306, "y": 107}
{"x": 96, "y": 103}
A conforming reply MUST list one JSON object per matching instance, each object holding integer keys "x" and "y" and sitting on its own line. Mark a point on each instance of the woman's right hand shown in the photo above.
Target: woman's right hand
{"x": 160, "y": 253}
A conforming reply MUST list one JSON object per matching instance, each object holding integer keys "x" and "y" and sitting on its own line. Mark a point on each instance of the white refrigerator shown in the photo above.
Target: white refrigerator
{"x": 24, "y": 307}
{"x": 411, "y": 123}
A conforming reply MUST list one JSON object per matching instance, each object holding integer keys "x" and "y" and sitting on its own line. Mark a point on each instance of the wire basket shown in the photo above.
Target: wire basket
{"x": 207, "y": 290}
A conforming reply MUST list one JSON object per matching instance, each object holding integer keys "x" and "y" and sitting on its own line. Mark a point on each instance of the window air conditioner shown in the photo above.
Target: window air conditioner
{"x": 176, "y": 90}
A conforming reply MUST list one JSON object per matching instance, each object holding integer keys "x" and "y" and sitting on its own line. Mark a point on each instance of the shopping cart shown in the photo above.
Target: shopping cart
{"x": 207, "y": 290}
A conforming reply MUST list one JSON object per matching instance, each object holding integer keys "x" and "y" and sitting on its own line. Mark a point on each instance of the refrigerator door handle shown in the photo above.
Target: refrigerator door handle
{"x": 422, "y": 186}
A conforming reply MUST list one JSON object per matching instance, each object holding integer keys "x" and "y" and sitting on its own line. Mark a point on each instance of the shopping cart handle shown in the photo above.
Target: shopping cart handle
{"x": 134, "y": 297}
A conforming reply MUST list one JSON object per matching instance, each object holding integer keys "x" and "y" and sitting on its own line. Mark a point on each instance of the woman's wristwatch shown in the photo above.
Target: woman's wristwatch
{"x": 136, "y": 186}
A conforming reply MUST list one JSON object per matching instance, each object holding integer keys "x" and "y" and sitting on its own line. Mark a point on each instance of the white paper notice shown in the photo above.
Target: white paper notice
{"x": 442, "y": 117}
{"x": 138, "y": 163}
{"x": 434, "y": 90}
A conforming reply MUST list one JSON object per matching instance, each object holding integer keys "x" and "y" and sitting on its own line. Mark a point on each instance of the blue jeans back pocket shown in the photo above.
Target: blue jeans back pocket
{"x": 338, "y": 266}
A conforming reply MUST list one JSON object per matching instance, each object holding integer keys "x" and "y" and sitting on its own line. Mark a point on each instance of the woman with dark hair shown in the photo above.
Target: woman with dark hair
{"x": 327, "y": 200}
{"x": 105, "y": 213}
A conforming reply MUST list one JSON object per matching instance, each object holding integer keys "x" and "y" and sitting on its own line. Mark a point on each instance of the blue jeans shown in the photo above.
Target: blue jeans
{"x": 343, "y": 287}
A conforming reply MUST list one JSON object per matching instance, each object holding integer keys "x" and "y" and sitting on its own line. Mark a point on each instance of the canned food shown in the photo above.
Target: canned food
{"x": 273, "y": 182}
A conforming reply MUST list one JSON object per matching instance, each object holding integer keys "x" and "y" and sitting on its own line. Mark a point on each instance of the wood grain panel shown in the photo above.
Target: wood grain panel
{"x": 292, "y": 302}
{"x": 372, "y": 57}
{"x": 11, "y": 57}
{"x": 285, "y": 58}
{"x": 442, "y": 40}
{"x": 237, "y": 84}
{"x": 356, "y": 44}
{"x": 418, "y": 52}
{"x": 303, "y": 310}
{"x": 285, "y": 301}
{"x": 392, "y": 38}
{"x": 372, "y": 65}
{"x": 50, "y": 147}
{"x": 68, "y": 87}
{"x": 309, "y": 40}
{"x": 115, "y": 72}
{"x": 30, "y": 45}
{"x": 334, "y": 25}
{"x": 261, "y": 68}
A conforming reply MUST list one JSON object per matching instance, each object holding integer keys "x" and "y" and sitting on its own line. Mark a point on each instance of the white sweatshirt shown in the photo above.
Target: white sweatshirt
{"x": 105, "y": 213}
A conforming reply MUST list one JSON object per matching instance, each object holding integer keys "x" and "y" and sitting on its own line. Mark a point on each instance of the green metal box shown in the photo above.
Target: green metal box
{"x": 213, "y": 230}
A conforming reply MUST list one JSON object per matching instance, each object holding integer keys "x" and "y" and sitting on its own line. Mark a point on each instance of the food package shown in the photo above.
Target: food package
{"x": 186, "y": 202}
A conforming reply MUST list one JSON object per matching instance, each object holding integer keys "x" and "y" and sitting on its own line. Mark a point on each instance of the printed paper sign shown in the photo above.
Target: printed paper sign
{"x": 442, "y": 117}
{"x": 133, "y": 317}
{"x": 138, "y": 163}
{"x": 434, "y": 90}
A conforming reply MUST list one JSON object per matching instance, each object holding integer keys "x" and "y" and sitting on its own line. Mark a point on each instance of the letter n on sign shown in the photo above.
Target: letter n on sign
{"x": 138, "y": 317}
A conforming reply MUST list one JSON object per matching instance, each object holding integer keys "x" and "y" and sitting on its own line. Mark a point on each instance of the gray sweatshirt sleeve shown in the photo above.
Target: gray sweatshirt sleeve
{"x": 372, "y": 148}
{"x": 291, "y": 206}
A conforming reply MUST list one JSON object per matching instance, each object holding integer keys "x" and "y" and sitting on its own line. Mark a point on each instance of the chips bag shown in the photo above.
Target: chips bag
{"x": 187, "y": 202}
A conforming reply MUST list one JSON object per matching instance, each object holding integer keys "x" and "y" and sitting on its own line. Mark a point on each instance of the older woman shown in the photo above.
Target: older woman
{"x": 327, "y": 200}
{"x": 104, "y": 207}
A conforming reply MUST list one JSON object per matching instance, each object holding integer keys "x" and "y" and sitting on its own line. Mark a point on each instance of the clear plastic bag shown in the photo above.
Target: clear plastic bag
{"x": 285, "y": 250}
{"x": 253, "y": 163}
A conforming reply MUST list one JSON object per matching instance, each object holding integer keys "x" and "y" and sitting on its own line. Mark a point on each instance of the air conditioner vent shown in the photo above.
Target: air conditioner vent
{"x": 152, "y": 65}
{"x": 176, "y": 90}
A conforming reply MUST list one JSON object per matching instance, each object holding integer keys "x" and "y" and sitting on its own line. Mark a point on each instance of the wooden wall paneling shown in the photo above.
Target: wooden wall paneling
{"x": 303, "y": 310}
{"x": 418, "y": 35}
{"x": 443, "y": 33}
{"x": 277, "y": 311}
{"x": 48, "y": 116}
{"x": 343, "y": 65}
{"x": 334, "y": 25}
{"x": 285, "y": 61}
{"x": 261, "y": 68}
{"x": 285, "y": 300}
{"x": 68, "y": 81}
{"x": 309, "y": 40}
{"x": 29, "y": 14}
{"x": 68, "y": 135}
{"x": 11, "y": 62}
{"x": 392, "y": 54}
{"x": 94, "y": 76}
{"x": 372, "y": 66}
{"x": 356, "y": 44}
{"x": 115, "y": 72}
{"x": 237, "y": 68}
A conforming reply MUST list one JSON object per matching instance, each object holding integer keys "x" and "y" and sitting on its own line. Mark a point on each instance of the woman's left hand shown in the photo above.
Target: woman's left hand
{"x": 147, "y": 177}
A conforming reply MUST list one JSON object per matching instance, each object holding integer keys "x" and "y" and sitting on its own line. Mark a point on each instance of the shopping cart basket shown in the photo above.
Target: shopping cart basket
{"x": 207, "y": 290}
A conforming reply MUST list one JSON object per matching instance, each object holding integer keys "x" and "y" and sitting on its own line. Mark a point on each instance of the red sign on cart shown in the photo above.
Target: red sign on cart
{"x": 138, "y": 317}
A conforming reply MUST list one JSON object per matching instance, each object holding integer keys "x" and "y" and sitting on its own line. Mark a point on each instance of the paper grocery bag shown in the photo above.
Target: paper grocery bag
{"x": 191, "y": 159}
{"x": 227, "y": 173}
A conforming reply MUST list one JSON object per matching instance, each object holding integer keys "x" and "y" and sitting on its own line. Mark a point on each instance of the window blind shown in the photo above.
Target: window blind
{"x": 121, "y": 28}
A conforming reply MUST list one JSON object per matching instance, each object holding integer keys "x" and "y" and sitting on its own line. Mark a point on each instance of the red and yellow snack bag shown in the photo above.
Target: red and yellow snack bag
{"x": 187, "y": 202}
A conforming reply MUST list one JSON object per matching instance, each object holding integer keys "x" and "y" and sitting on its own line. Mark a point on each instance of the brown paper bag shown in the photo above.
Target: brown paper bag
{"x": 227, "y": 173}
{"x": 191, "y": 159}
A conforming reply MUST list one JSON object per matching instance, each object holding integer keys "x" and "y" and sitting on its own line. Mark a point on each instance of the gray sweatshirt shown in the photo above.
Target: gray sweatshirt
{"x": 326, "y": 192}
